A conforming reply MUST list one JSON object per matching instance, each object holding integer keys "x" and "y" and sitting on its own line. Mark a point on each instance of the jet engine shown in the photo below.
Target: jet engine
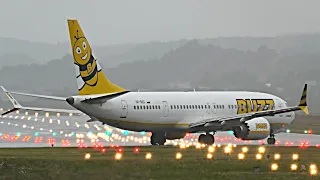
{"x": 254, "y": 129}
{"x": 172, "y": 136}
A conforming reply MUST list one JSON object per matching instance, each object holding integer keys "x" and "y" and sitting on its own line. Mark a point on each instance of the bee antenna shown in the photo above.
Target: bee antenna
{"x": 77, "y": 36}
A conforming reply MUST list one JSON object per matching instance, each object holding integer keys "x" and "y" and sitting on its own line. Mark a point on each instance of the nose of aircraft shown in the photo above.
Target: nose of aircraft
{"x": 70, "y": 100}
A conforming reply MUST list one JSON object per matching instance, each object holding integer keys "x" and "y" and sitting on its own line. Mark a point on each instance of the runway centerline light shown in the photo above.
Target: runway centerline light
{"x": 178, "y": 156}
{"x": 148, "y": 156}
{"x": 277, "y": 156}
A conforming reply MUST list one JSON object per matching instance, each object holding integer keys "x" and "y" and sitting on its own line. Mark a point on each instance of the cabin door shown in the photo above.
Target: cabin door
{"x": 165, "y": 108}
{"x": 124, "y": 109}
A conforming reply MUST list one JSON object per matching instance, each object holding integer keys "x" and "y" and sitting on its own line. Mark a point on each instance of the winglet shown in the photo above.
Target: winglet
{"x": 303, "y": 101}
{"x": 11, "y": 98}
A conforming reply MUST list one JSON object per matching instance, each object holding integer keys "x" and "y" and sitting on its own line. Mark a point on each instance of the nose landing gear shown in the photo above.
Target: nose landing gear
{"x": 271, "y": 140}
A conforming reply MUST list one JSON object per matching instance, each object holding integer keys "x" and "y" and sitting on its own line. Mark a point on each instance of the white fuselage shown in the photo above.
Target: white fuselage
{"x": 175, "y": 111}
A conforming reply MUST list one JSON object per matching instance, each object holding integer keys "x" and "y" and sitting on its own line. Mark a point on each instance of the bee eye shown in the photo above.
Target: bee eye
{"x": 78, "y": 50}
{"x": 84, "y": 45}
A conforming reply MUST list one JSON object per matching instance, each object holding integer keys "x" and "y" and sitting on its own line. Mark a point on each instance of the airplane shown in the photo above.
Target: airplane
{"x": 170, "y": 115}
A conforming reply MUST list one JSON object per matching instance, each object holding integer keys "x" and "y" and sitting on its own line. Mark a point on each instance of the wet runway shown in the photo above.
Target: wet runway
{"x": 20, "y": 130}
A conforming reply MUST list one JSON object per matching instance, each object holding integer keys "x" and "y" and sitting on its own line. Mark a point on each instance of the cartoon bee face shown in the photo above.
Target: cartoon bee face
{"x": 82, "y": 51}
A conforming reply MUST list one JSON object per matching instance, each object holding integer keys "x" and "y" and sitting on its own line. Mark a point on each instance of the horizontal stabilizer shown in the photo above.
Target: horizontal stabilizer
{"x": 11, "y": 110}
{"x": 17, "y": 106}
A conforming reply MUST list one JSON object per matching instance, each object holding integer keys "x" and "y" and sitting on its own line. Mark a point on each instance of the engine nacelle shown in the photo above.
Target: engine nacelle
{"x": 254, "y": 129}
{"x": 172, "y": 136}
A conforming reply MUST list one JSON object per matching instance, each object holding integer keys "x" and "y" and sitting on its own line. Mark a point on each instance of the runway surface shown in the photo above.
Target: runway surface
{"x": 20, "y": 130}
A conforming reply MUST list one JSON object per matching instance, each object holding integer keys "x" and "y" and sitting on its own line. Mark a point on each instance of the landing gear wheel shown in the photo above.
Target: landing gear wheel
{"x": 201, "y": 138}
{"x": 157, "y": 139}
{"x": 206, "y": 139}
{"x": 271, "y": 140}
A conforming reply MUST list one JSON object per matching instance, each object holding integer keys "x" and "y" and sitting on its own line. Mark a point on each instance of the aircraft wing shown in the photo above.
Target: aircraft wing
{"x": 238, "y": 119}
{"x": 18, "y": 106}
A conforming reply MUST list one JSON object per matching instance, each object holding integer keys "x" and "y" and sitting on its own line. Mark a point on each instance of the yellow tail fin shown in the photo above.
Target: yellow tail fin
{"x": 90, "y": 77}
{"x": 303, "y": 101}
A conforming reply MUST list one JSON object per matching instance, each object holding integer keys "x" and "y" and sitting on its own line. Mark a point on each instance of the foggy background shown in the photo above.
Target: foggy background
{"x": 268, "y": 46}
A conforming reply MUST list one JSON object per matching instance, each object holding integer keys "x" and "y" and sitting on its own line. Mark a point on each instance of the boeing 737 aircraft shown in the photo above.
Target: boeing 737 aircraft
{"x": 169, "y": 115}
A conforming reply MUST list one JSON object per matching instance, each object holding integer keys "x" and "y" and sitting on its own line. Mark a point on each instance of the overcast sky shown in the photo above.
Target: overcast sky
{"x": 132, "y": 21}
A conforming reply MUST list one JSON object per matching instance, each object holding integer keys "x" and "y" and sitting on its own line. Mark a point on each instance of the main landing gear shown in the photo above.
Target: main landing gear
{"x": 271, "y": 139}
{"x": 158, "y": 139}
{"x": 206, "y": 139}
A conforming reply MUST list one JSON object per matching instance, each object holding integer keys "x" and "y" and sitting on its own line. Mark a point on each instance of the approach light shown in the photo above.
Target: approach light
{"x": 198, "y": 146}
{"x": 313, "y": 166}
{"x": 294, "y": 167}
{"x": 274, "y": 167}
{"x": 87, "y": 156}
{"x": 240, "y": 156}
{"x": 295, "y": 156}
{"x": 277, "y": 156}
{"x": 245, "y": 149}
{"x": 258, "y": 156}
{"x": 178, "y": 156}
{"x": 148, "y": 156}
{"x": 227, "y": 150}
{"x": 313, "y": 172}
{"x": 209, "y": 156}
{"x": 182, "y": 146}
{"x": 118, "y": 156}
{"x": 262, "y": 150}
{"x": 210, "y": 149}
